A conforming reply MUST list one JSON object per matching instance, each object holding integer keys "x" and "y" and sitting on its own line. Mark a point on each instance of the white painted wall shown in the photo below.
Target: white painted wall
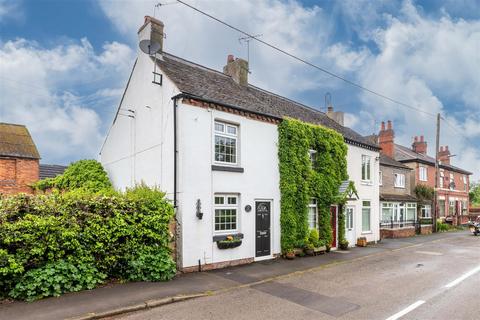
{"x": 366, "y": 191}
{"x": 260, "y": 180}
{"x": 141, "y": 148}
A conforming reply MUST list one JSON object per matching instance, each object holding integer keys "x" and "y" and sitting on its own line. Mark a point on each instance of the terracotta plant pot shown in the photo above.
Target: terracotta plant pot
{"x": 309, "y": 252}
{"x": 290, "y": 255}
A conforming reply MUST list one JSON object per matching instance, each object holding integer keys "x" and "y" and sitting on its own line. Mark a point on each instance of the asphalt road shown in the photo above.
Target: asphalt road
{"x": 434, "y": 280}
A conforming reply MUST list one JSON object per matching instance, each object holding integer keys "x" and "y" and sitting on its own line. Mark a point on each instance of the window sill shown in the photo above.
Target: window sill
{"x": 221, "y": 237}
{"x": 367, "y": 232}
{"x": 227, "y": 168}
{"x": 366, "y": 183}
{"x": 399, "y": 187}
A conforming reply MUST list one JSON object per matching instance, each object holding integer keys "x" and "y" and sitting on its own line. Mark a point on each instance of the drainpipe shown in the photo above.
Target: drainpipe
{"x": 175, "y": 151}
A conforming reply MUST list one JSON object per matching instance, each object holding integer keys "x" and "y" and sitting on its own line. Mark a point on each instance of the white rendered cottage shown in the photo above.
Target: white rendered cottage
{"x": 209, "y": 140}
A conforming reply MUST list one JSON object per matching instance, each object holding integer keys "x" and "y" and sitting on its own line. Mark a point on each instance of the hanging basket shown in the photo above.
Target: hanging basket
{"x": 228, "y": 244}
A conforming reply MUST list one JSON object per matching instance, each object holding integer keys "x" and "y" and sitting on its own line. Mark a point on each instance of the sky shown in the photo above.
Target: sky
{"x": 64, "y": 64}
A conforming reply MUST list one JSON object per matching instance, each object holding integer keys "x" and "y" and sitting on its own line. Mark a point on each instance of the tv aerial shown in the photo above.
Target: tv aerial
{"x": 247, "y": 39}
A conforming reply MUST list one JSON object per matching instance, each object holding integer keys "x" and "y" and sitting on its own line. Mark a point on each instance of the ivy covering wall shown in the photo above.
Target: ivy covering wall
{"x": 300, "y": 180}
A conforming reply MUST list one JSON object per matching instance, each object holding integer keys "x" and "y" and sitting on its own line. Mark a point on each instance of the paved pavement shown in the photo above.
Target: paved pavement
{"x": 383, "y": 277}
{"x": 437, "y": 279}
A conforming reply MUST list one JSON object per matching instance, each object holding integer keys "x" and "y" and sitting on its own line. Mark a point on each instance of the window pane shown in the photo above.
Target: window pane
{"x": 411, "y": 214}
{"x": 387, "y": 214}
{"x": 365, "y": 219}
{"x": 232, "y": 200}
{"x": 219, "y": 127}
{"x": 366, "y": 203}
{"x": 225, "y": 149}
{"x": 232, "y": 130}
{"x": 368, "y": 168}
{"x": 218, "y": 200}
{"x": 225, "y": 219}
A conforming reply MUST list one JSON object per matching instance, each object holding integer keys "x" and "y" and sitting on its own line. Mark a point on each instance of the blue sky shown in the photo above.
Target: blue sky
{"x": 64, "y": 64}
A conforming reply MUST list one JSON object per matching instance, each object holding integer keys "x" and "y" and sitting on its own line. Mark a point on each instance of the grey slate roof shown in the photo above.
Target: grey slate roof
{"x": 387, "y": 161}
{"x": 397, "y": 197}
{"x": 211, "y": 85}
{"x": 16, "y": 141}
{"x": 404, "y": 154}
{"x": 51, "y": 170}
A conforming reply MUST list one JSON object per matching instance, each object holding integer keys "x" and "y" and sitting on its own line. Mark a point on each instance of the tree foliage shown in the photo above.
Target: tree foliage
{"x": 82, "y": 174}
{"x": 60, "y": 242}
{"x": 424, "y": 192}
{"x": 474, "y": 193}
{"x": 300, "y": 180}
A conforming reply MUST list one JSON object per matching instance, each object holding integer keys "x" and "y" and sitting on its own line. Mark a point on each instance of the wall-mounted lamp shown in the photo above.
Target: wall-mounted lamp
{"x": 199, "y": 212}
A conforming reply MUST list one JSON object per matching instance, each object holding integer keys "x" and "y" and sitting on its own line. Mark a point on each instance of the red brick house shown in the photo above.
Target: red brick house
{"x": 453, "y": 184}
{"x": 19, "y": 159}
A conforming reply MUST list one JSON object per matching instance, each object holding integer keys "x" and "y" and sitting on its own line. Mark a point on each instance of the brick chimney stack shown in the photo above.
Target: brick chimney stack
{"x": 386, "y": 139}
{"x": 237, "y": 69}
{"x": 444, "y": 155}
{"x": 419, "y": 145}
{"x": 152, "y": 29}
{"x": 337, "y": 116}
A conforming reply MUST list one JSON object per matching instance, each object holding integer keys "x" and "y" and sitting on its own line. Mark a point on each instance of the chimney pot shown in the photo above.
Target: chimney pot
{"x": 230, "y": 58}
{"x": 389, "y": 125}
{"x": 421, "y": 138}
{"x": 382, "y": 126}
{"x": 441, "y": 148}
{"x": 446, "y": 148}
{"x": 415, "y": 139}
{"x": 330, "y": 109}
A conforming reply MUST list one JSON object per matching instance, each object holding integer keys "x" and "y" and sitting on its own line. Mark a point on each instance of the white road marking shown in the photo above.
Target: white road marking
{"x": 431, "y": 253}
{"x": 465, "y": 276}
{"x": 406, "y": 310}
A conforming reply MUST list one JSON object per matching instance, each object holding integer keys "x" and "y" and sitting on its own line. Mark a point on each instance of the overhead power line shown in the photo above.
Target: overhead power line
{"x": 354, "y": 84}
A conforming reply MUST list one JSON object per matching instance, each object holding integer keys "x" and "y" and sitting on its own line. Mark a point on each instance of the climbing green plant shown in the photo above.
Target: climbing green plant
{"x": 301, "y": 180}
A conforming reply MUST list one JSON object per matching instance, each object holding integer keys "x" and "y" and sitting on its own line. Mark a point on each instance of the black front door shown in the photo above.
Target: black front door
{"x": 262, "y": 233}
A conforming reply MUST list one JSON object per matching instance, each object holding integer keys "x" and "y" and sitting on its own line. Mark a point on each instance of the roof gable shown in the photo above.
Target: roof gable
{"x": 15, "y": 141}
{"x": 214, "y": 86}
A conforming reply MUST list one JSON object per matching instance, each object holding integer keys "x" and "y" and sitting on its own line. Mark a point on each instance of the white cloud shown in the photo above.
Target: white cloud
{"x": 33, "y": 84}
{"x": 10, "y": 10}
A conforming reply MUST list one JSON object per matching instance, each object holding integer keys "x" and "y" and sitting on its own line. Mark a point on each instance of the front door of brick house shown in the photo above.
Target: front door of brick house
{"x": 333, "y": 214}
{"x": 262, "y": 228}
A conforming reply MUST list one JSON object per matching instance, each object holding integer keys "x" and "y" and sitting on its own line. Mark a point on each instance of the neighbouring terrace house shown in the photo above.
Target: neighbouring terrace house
{"x": 453, "y": 183}
{"x": 209, "y": 139}
{"x": 19, "y": 159}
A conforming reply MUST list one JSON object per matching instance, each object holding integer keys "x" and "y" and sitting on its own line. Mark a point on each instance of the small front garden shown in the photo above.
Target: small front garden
{"x": 79, "y": 235}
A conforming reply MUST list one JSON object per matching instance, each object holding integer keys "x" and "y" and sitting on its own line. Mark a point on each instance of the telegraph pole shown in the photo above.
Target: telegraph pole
{"x": 435, "y": 193}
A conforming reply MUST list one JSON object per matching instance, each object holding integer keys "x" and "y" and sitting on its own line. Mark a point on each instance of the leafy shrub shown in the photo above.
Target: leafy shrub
{"x": 343, "y": 244}
{"x": 83, "y": 174}
{"x": 150, "y": 264}
{"x": 56, "y": 278}
{"x": 424, "y": 192}
{"x": 102, "y": 230}
{"x": 441, "y": 226}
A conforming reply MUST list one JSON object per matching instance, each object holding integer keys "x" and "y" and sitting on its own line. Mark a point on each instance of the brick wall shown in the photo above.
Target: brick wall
{"x": 388, "y": 181}
{"x": 16, "y": 174}
{"x": 397, "y": 233}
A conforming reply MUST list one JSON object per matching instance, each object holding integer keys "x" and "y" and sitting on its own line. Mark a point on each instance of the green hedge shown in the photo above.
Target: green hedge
{"x": 60, "y": 242}
{"x": 300, "y": 181}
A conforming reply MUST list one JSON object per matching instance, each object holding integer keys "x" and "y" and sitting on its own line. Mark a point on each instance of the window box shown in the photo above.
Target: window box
{"x": 229, "y": 243}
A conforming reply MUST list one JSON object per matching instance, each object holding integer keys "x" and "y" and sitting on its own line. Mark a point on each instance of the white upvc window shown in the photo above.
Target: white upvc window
{"x": 312, "y": 214}
{"x": 442, "y": 178}
{"x": 451, "y": 207}
{"x": 399, "y": 180}
{"x": 312, "y": 154}
{"x": 380, "y": 178}
{"x": 464, "y": 182}
{"x": 366, "y": 168}
{"x": 226, "y": 143}
{"x": 451, "y": 185}
{"x": 387, "y": 212}
{"x": 226, "y": 212}
{"x": 366, "y": 213}
{"x": 411, "y": 211}
{"x": 423, "y": 173}
{"x": 426, "y": 211}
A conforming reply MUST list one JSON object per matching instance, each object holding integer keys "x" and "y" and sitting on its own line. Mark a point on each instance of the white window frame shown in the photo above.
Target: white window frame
{"x": 366, "y": 168}
{"x": 369, "y": 207}
{"x": 380, "y": 178}
{"x": 225, "y": 134}
{"x": 226, "y": 206}
{"x": 464, "y": 182}
{"x": 426, "y": 211}
{"x": 423, "y": 173}
{"x": 313, "y": 204}
{"x": 452, "y": 179}
{"x": 442, "y": 178}
{"x": 312, "y": 156}
{"x": 411, "y": 207}
{"x": 401, "y": 180}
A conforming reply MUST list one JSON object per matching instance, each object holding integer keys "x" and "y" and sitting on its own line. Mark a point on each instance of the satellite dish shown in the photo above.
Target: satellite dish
{"x": 149, "y": 46}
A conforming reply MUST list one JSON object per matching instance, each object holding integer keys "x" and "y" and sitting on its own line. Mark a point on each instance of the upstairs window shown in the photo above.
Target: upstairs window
{"x": 366, "y": 168}
{"x": 312, "y": 154}
{"x": 226, "y": 143}
{"x": 380, "y": 178}
{"x": 465, "y": 183}
{"x": 442, "y": 178}
{"x": 452, "y": 182}
{"x": 399, "y": 180}
{"x": 423, "y": 174}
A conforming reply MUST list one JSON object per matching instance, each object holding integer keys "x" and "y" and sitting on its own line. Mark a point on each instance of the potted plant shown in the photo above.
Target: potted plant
{"x": 343, "y": 244}
{"x": 309, "y": 249}
{"x": 290, "y": 254}
{"x": 299, "y": 248}
{"x": 229, "y": 242}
